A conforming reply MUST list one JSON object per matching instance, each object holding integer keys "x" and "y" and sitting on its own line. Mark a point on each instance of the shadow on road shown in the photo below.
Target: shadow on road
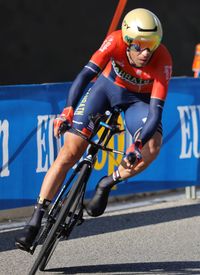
{"x": 106, "y": 224}
{"x": 178, "y": 268}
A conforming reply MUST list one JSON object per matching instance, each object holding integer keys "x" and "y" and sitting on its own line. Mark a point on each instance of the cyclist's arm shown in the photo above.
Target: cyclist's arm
{"x": 80, "y": 83}
{"x": 158, "y": 96}
{"x": 153, "y": 120}
{"x": 97, "y": 62}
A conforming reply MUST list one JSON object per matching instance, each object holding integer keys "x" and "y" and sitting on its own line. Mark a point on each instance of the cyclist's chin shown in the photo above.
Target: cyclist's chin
{"x": 142, "y": 63}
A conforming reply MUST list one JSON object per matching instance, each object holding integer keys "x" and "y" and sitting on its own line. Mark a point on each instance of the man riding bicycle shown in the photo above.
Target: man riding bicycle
{"x": 133, "y": 70}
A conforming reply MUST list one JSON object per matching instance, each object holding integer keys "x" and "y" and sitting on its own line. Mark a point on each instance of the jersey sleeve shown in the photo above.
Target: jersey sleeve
{"x": 102, "y": 56}
{"x": 162, "y": 75}
{"x": 97, "y": 62}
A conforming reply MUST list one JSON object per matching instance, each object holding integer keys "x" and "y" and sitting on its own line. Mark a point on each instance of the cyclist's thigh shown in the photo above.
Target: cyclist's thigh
{"x": 135, "y": 118}
{"x": 95, "y": 101}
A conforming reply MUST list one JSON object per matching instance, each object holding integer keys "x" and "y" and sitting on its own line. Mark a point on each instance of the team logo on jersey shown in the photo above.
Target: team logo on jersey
{"x": 127, "y": 77}
{"x": 167, "y": 71}
{"x": 81, "y": 107}
{"x": 107, "y": 42}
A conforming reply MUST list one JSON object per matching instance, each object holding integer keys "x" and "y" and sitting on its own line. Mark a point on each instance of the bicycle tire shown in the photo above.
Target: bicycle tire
{"x": 47, "y": 255}
{"x": 54, "y": 233}
{"x": 68, "y": 229}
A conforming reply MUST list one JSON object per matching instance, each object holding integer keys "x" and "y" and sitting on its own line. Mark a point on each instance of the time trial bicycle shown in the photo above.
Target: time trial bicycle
{"x": 68, "y": 207}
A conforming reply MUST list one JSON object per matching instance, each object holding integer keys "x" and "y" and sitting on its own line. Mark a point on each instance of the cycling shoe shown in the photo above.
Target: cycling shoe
{"x": 26, "y": 240}
{"x": 98, "y": 203}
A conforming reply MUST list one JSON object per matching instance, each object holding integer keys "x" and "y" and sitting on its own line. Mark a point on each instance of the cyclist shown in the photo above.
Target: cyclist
{"x": 133, "y": 70}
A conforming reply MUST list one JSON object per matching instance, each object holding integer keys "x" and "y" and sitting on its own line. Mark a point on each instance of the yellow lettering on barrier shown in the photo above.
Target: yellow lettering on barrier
{"x": 102, "y": 156}
{"x": 117, "y": 142}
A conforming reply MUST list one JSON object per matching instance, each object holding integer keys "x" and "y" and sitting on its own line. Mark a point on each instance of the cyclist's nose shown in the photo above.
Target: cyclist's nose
{"x": 146, "y": 52}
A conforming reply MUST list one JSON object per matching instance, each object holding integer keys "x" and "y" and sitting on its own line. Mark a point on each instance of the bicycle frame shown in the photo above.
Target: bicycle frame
{"x": 67, "y": 210}
{"x": 85, "y": 166}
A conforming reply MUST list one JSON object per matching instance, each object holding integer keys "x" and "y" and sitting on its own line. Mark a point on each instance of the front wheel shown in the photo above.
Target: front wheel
{"x": 61, "y": 227}
{"x": 48, "y": 253}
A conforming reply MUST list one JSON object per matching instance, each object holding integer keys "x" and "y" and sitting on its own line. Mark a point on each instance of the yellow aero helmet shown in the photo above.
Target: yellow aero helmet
{"x": 142, "y": 26}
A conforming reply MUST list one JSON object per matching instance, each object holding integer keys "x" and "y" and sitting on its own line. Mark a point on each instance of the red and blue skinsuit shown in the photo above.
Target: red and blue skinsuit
{"x": 140, "y": 92}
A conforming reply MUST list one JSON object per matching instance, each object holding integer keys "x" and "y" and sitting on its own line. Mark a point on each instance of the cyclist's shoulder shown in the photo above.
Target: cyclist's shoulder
{"x": 161, "y": 63}
{"x": 116, "y": 37}
{"x": 116, "y": 34}
{"x": 113, "y": 44}
{"x": 162, "y": 54}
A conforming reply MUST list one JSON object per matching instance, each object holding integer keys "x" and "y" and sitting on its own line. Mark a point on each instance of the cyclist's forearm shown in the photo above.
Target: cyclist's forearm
{"x": 153, "y": 120}
{"x": 80, "y": 83}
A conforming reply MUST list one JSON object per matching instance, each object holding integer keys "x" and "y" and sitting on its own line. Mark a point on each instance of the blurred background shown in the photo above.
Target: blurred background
{"x": 50, "y": 41}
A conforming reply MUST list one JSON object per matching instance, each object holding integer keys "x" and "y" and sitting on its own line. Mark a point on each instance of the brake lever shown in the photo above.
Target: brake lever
{"x": 131, "y": 157}
{"x": 64, "y": 127}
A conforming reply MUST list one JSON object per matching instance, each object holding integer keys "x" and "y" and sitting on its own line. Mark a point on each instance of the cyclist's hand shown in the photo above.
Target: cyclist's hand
{"x": 63, "y": 122}
{"x": 133, "y": 154}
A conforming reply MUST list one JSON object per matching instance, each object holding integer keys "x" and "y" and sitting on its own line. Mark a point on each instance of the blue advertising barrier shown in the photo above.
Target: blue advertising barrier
{"x": 28, "y": 148}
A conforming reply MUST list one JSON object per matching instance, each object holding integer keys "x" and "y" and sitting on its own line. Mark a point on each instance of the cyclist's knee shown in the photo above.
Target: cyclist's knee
{"x": 71, "y": 152}
{"x": 67, "y": 157}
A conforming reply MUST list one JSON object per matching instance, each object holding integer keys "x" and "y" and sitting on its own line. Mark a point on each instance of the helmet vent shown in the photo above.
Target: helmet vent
{"x": 147, "y": 30}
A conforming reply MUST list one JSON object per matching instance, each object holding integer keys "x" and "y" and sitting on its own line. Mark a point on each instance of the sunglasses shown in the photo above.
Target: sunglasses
{"x": 139, "y": 45}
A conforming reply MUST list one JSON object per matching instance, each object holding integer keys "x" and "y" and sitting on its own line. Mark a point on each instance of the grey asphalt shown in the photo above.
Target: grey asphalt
{"x": 156, "y": 238}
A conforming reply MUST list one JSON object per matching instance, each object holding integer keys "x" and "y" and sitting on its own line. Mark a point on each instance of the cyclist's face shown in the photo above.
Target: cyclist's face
{"x": 140, "y": 58}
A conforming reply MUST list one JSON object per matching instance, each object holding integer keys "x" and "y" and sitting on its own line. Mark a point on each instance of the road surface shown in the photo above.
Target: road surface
{"x": 157, "y": 238}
